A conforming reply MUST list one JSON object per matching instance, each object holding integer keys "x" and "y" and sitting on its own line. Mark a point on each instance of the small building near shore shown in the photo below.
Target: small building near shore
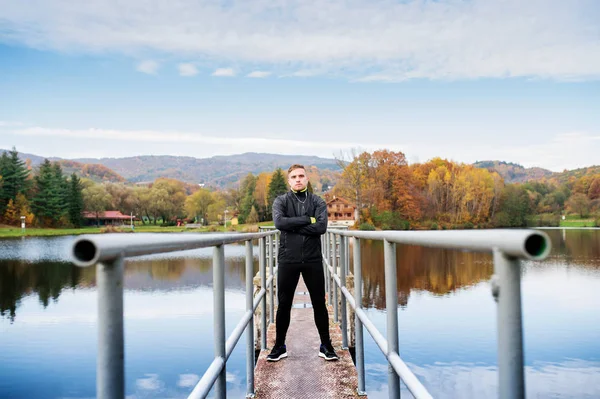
{"x": 106, "y": 218}
{"x": 340, "y": 212}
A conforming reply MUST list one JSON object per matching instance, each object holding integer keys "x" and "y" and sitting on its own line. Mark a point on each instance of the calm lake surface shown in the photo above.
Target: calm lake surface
{"x": 447, "y": 320}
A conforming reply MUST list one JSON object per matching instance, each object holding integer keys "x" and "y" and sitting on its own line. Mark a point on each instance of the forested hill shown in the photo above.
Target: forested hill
{"x": 218, "y": 171}
{"x": 514, "y": 173}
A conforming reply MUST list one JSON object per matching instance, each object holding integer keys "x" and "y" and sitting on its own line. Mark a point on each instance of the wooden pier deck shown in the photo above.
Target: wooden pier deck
{"x": 303, "y": 374}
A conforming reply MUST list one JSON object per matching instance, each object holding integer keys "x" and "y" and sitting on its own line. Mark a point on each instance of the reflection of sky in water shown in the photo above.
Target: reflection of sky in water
{"x": 168, "y": 343}
{"x": 450, "y": 342}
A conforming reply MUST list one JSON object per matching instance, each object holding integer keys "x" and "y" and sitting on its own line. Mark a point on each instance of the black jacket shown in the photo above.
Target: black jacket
{"x": 300, "y": 240}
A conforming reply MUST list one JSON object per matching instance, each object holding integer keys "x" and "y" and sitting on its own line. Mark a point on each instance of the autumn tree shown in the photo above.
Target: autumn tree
{"x": 247, "y": 188}
{"x": 197, "y": 205}
{"x": 594, "y": 190}
{"x": 579, "y": 203}
{"x": 261, "y": 195}
{"x": 168, "y": 199}
{"x": 253, "y": 216}
{"x": 123, "y": 197}
{"x": 96, "y": 200}
{"x": 216, "y": 210}
{"x": 353, "y": 181}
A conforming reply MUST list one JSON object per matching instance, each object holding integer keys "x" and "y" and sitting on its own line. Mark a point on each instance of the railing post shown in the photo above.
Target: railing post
{"x": 358, "y": 326}
{"x": 335, "y": 287}
{"x": 507, "y": 292}
{"x": 272, "y": 285}
{"x": 344, "y": 326}
{"x": 391, "y": 304}
{"x": 110, "y": 371}
{"x": 250, "y": 326}
{"x": 329, "y": 276}
{"x": 326, "y": 263}
{"x": 263, "y": 283}
{"x": 219, "y": 316}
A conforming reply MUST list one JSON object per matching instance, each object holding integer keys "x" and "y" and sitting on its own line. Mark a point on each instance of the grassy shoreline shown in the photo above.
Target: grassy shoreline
{"x": 9, "y": 231}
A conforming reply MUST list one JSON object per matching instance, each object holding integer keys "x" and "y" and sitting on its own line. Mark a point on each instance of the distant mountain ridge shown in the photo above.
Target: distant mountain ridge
{"x": 513, "y": 172}
{"x": 218, "y": 171}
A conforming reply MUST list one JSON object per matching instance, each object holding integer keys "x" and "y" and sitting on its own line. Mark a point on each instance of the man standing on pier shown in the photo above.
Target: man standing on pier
{"x": 301, "y": 217}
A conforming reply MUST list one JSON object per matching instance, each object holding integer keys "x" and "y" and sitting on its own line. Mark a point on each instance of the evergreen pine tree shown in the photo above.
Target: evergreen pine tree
{"x": 14, "y": 174}
{"x": 75, "y": 200}
{"x": 277, "y": 187}
{"x": 61, "y": 193}
{"x": 44, "y": 202}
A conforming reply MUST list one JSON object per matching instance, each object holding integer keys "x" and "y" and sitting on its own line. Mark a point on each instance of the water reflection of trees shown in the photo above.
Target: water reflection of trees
{"x": 435, "y": 270}
{"x": 19, "y": 279}
{"x": 578, "y": 246}
{"x": 45, "y": 279}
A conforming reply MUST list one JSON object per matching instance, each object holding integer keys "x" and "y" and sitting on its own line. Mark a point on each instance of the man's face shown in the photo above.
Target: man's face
{"x": 298, "y": 179}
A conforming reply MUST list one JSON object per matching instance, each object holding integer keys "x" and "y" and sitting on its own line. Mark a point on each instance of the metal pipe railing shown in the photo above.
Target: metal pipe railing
{"x": 358, "y": 326}
{"x": 108, "y": 252}
{"x": 508, "y": 248}
{"x": 344, "y": 325}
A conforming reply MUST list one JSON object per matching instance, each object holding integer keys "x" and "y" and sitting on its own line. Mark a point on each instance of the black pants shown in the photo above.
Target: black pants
{"x": 287, "y": 281}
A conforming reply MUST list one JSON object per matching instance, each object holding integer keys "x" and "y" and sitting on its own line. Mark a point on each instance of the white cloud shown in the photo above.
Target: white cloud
{"x": 259, "y": 74}
{"x": 372, "y": 39}
{"x": 150, "y": 67}
{"x": 188, "y": 380}
{"x": 187, "y": 69}
{"x": 151, "y": 383}
{"x": 189, "y": 137}
{"x": 224, "y": 72}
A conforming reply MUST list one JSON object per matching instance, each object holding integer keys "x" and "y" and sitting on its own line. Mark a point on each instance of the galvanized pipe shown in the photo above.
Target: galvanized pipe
{"x": 524, "y": 244}
{"x": 203, "y": 387}
{"x": 358, "y": 327}
{"x": 335, "y": 286}
{"x": 510, "y": 331}
{"x": 271, "y": 285}
{"x": 263, "y": 283}
{"x": 219, "y": 316}
{"x": 329, "y": 275}
{"x": 343, "y": 298}
{"x": 87, "y": 250}
{"x": 391, "y": 304}
{"x": 250, "y": 324}
{"x": 237, "y": 332}
{"x": 410, "y": 380}
{"x": 110, "y": 371}
{"x": 416, "y": 388}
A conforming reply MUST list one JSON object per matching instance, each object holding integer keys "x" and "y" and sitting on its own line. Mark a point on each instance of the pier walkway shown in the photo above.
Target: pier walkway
{"x": 303, "y": 374}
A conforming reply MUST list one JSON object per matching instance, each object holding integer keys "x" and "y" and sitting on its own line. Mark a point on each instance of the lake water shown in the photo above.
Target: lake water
{"x": 447, "y": 320}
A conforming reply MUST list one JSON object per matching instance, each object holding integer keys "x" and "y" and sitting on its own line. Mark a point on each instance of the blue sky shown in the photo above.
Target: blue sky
{"x": 463, "y": 80}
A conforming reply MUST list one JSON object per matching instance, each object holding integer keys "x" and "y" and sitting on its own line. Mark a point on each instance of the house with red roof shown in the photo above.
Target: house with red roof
{"x": 107, "y": 218}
